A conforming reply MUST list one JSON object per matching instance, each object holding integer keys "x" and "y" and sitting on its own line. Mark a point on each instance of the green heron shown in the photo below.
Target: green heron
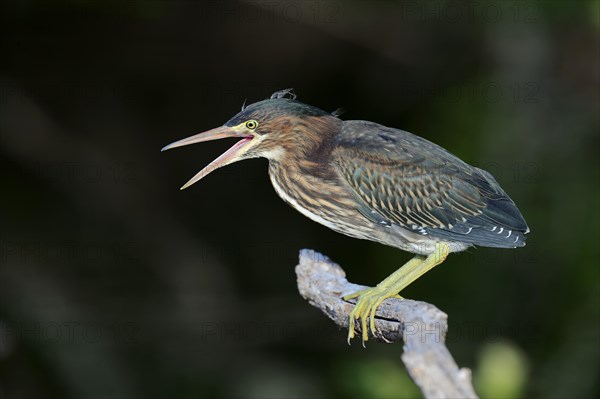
{"x": 372, "y": 182}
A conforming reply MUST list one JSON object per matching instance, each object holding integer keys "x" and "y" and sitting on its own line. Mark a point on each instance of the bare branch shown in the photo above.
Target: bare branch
{"x": 421, "y": 326}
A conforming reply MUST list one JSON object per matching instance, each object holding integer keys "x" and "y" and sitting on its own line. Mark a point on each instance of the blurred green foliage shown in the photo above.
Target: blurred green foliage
{"x": 501, "y": 371}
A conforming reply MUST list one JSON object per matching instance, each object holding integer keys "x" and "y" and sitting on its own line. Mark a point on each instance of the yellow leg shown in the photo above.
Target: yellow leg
{"x": 370, "y": 299}
{"x": 362, "y": 305}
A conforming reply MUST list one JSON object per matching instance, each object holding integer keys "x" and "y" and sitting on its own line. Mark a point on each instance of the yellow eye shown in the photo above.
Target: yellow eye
{"x": 251, "y": 124}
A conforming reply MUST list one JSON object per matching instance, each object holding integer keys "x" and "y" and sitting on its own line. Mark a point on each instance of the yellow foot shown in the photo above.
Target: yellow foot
{"x": 365, "y": 309}
{"x": 370, "y": 298}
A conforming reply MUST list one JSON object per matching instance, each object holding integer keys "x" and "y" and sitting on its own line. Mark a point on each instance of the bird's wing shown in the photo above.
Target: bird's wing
{"x": 399, "y": 178}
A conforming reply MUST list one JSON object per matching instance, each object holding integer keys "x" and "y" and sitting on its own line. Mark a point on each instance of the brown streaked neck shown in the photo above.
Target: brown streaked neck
{"x": 307, "y": 148}
{"x": 309, "y": 139}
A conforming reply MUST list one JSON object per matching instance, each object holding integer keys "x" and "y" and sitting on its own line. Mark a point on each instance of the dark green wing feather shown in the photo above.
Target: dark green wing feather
{"x": 402, "y": 179}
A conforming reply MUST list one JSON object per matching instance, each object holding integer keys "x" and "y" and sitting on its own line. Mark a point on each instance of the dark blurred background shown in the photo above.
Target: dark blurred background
{"x": 114, "y": 284}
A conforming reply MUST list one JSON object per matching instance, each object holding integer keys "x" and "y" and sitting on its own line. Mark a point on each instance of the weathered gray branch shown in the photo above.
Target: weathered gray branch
{"x": 421, "y": 326}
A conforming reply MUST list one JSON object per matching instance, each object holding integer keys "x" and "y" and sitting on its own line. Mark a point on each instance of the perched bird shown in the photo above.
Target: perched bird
{"x": 372, "y": 182}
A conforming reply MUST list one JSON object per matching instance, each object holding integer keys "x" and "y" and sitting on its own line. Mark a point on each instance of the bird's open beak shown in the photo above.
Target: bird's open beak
{"x": 230, "y": 156}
